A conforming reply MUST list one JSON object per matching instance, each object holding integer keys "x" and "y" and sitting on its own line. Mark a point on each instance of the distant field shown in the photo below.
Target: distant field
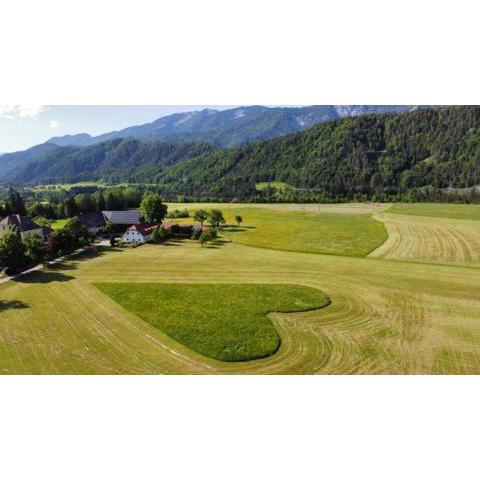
{"x": 225, "y": 322}
{"x": 67, "y": 186}
{"x": 277, "y": 185}
{"x": 439, "y": 210}
{"x": 302, "y": 230}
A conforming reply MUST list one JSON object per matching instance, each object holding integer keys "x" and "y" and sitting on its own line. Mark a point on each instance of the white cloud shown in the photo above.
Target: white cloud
{"x": 54, "y": 124}
{"x": 21, "y": 111}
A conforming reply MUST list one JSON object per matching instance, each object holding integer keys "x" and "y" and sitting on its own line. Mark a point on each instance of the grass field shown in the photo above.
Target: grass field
{"x": 429, "y": 239}
{"x": 59, "y": 223}
{"x": 226, "y": 322}
{"x": 437, "y": 210}
{"x": 66, "y": 186}
{"x": 387, "y": 315}
{"x": 330, "y": 232}
{"x": 281, "y": 186}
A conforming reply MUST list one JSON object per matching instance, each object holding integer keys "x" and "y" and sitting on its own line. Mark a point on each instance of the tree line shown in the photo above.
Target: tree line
{"x": 68, "y": 206}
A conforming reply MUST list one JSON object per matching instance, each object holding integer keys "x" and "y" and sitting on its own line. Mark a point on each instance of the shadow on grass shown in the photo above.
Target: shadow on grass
{"x": 71, "y": 263}
{"x": 61, "y": 266}
{"x": 173, "y": 242}
{"x": 44, "y": 276}
{"x": 12, "y": 304}
{"x": 216, "y": 243}
{"x": 236, "y": 228}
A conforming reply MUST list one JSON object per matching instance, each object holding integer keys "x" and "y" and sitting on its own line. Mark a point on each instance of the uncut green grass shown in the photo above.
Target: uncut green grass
{"x": 438, "y": 210}
{"x": 60, "y": 223}
{"x": 354, "y": 235}
{"x": 222, "y": 321}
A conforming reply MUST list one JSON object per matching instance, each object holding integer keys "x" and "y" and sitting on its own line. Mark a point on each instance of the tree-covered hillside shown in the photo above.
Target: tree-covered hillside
{"x": 382, "y": 155}
{"x": 113, "y": 161}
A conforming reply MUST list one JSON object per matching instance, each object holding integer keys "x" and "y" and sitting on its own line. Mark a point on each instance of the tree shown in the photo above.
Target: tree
{"x": 78, "y": 232}
{"x": 238, "y": 219}
{"x": 34, "y": 248}
{"x": 70, "y": 207}
{"x": 201, "y": 216}
{"x": 42, "y": 221}
{"x": 204, "y": 238}
{"x": 112, "y": 202}
{"x": 208, "y": 235}
{"x": 36, "y": 209}
{"x": 215, "y": 217}
{"x": 152, "y": 208}
{"x": 12, "y": 251}
{"x": 100, "y": 201}
{"x": 85, "y": 203}
{"x": 15, "y": 203}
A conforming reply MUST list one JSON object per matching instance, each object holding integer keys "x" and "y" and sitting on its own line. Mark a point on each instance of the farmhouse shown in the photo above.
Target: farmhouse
{"x": 119, "y": 217}
{"x": 25, "y": 225}
{"x": 140, "y": 233}
{"x": 94, "y": 222}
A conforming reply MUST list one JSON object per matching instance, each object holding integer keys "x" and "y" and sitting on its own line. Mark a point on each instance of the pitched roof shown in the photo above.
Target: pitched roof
{"x": 127, "y": 217}
{"x": 143, "y": 228}
{"x": 92, "y": 220}
{"x": 24, "y": 224}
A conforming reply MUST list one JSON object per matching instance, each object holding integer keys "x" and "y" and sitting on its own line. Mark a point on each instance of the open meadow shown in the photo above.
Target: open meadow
{"x": 295, "y": 289}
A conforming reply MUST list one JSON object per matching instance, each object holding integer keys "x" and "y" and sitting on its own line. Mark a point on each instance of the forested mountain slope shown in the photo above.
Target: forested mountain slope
{"x": 226, "y": 128}
{"x": 383, "y": 154}
{"x": 112, "y": 161}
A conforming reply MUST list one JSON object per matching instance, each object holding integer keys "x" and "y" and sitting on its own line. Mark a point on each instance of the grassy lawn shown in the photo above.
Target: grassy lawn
{"x": 302, "y": 231}
{"x": 59, "y": 223}
{"x": 225, "y": 322}
{"x": 438, "y": 210}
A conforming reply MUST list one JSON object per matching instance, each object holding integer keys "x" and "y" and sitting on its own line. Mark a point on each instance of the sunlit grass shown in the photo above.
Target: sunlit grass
{"x": 222, "y": 321}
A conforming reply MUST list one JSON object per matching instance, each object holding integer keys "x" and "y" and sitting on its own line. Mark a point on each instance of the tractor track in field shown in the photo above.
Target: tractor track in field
{"x": 427, "y": 239}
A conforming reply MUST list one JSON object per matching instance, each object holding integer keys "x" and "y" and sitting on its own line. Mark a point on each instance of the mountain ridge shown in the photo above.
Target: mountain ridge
{"x": 231, "y": 127}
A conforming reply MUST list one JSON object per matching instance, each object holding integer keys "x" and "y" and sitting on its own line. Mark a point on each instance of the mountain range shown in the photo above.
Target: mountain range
{"x": 233, "y": 127}
{"x": 382, "y": 156}
{"x": 222, "y": 129}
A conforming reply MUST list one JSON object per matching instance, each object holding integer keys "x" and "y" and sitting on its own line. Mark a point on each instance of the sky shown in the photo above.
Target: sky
{"x": 22, "y": 126}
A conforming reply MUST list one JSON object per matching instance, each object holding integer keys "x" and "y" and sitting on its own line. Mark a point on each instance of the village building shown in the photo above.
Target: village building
{"x": 94, "y": 222}
{"x": 25, "y": 225}
{"x": 140, "y": 233}
{"x": 122, "y": 217}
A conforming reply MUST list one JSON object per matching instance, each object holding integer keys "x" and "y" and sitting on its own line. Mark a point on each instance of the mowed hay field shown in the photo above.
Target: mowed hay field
{"x": 430, "y": 239}
{"x": 385, "y": 316}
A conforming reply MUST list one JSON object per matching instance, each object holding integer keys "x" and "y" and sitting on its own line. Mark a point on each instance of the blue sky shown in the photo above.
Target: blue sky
{"x": 22, "y": 126}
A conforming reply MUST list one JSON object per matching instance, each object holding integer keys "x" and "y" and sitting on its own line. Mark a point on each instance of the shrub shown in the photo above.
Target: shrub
{"x": 160, "y": 235}
{"x": 208, "y": 235}
{"x": 178, "y": 214}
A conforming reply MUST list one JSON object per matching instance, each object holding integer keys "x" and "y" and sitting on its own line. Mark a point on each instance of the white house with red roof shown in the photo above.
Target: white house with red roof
{"x": 140, "y": 233}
